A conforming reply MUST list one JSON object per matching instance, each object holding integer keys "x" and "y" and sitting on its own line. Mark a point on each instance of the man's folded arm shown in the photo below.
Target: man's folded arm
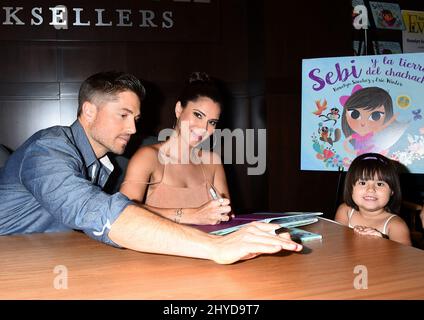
{"x": 54, "y": 176}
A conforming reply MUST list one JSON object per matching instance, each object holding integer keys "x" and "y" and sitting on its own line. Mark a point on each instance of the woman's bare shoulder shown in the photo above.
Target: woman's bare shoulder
{"x": 148, "y": 151}
{"x": 146, "y": 156}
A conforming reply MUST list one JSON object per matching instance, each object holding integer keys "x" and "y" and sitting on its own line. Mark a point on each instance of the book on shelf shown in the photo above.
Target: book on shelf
{"x": 386, "y": 47}
{"x": 386, "y": 15}
{"x": 284, "y": 219}
{"x": 359, "y": 48}
{"x": 413, "y": 35}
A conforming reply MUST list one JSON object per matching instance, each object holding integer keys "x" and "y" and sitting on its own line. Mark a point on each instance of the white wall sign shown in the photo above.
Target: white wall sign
{"x": 143, "y": 20}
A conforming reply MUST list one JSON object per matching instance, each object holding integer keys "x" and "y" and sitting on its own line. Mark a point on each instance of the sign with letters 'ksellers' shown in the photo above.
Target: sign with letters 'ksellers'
{"x": 362, "y": 104}
{"x": 124, "y": 20}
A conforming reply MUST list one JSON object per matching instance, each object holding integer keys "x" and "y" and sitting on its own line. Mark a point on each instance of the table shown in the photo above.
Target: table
{"x": 97, "y": 271}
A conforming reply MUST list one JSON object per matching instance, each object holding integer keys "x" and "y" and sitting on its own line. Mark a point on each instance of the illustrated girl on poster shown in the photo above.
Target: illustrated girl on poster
{"x": 368, "y": 122}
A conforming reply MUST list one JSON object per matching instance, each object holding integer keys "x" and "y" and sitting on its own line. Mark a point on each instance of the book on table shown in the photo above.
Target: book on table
{"x": 300, "y": 235}
{"x": 284, "y": 219}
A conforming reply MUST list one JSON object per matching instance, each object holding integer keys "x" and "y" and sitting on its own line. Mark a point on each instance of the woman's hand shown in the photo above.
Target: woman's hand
{"x": 367, "y": 231}
{"x": 212, "y": 212}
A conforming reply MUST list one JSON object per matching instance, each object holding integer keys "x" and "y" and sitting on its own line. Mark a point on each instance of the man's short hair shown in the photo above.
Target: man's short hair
{"x": 106, "y": 84}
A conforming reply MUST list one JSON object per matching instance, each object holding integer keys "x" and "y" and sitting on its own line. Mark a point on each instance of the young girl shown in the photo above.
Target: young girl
{"x": 372, "y": 195}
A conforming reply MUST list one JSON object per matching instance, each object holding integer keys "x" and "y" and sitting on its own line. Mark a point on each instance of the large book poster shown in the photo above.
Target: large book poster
{"x": 361, "y": 104}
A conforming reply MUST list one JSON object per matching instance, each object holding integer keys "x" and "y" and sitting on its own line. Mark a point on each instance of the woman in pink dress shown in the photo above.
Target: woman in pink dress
{"x": 175, "y": 178}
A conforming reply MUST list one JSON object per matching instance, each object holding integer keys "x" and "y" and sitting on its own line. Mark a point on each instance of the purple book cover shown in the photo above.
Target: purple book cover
{"x": 236, "y": 221}
{"x": 243, "y": 219}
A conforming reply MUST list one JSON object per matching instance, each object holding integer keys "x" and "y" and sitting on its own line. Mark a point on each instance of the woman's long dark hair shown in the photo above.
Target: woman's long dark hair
{"x": 200, "y": 85}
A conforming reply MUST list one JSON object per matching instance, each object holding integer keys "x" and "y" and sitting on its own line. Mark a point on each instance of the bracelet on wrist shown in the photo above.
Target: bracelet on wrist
{"x": 178, "y": 215}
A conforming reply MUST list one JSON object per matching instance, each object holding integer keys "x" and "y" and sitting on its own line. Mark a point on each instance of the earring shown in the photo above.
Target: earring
{"x": 176, "y": 126}
{"x": 214, "y": 139}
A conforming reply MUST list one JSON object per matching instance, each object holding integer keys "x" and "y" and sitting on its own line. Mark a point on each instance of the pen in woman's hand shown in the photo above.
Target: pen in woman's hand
{"x": 213, "y": 193}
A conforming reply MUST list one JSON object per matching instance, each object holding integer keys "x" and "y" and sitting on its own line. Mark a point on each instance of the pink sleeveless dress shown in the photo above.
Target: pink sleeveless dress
{"x": 385, "y": 223}
{"x": 162, "y": 195}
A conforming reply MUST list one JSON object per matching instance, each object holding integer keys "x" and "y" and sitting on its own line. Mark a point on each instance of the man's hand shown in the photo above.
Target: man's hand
{"x": 250, "y": 241}
{"x": 141, "y": 230}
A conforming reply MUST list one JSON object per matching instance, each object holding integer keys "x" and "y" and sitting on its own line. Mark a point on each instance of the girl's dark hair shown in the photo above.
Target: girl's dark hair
{"x": 200, "y": 85}
{"x": 366, "y": 167}
{"x": 369, "y": 99}
{"x": 108, "y": 83}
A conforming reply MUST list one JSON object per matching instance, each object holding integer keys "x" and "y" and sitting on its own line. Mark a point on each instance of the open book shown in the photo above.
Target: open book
{"x": 284, "y": 219}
